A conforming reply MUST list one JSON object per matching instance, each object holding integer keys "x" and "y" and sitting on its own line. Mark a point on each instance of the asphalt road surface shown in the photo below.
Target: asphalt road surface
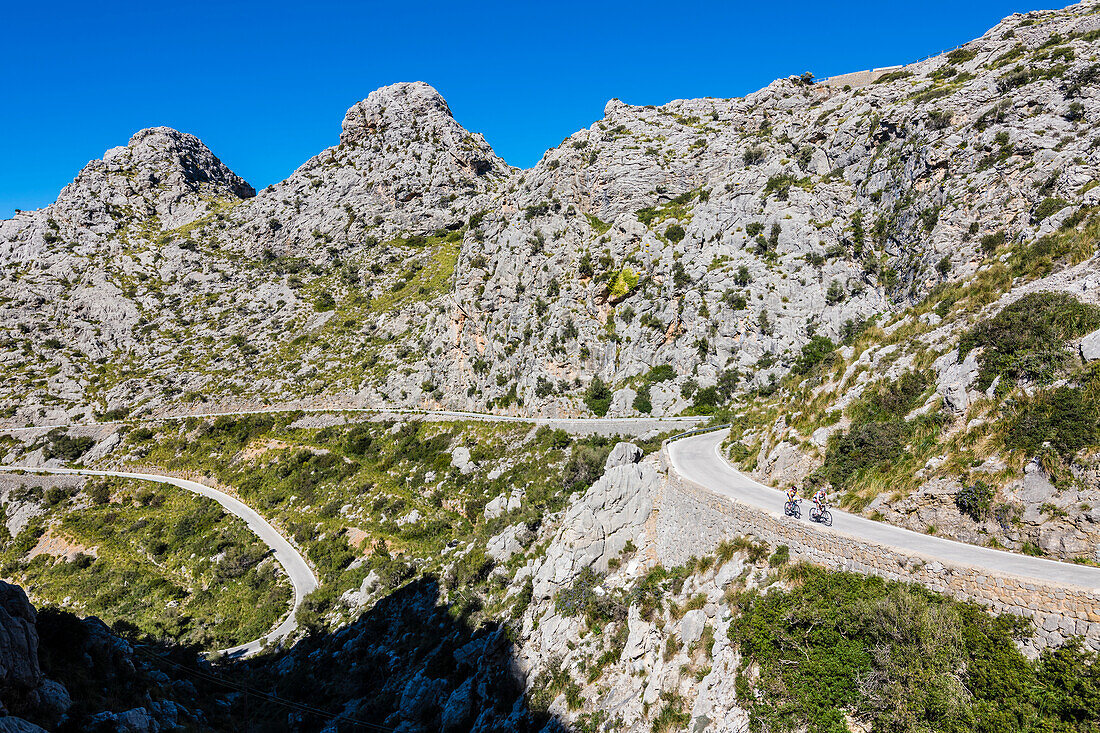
{"x": 301, "y": 575}
{"x": 698, "y": 458}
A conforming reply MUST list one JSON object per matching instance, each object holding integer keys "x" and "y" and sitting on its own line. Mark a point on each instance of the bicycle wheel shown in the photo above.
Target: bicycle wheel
{"x": 827, "y": 518}
{"x": 815, "y": 515}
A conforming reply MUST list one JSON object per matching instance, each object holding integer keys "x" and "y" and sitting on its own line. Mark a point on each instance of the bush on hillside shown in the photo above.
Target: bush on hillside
{"x": 865, "y": 445}
{"x": 892, "y": 399}
{"x": 1047, "y": 207}
{"x": 975, "y": 500}
{"x": 1027, "y": 339}
{"x": 837, "y": 646}
{"x": 66, "y": 447}
{"x": 820, "y": 350}
{"x": 598, "y": 397}
{"x": 1068, "y": 418}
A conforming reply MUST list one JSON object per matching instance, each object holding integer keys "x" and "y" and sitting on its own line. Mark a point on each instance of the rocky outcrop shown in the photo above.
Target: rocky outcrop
{"x": 954, "y": 379}
{"x": 623, "y": 454}
{"x": 44, "y": 656}
{"x": 19, "y": 670}
{"x": 597, "y": 526}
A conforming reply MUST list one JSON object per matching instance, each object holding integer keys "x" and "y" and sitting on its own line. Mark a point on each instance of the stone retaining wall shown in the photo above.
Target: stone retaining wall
{"x": 858, "y": 79}
{"x": 691, "y": 521}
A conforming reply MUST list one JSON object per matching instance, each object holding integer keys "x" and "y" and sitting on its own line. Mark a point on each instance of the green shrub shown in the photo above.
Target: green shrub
{"x": 582, "y": 599}
{"x": 975, "y": 500}
{"x": 1068, "y": 418}
{"x": 961, "y": 55}
{"x": 642, "y": 401}
{"x": 865, "y": 445}
{"x": 781, "y": 184}
{"x": 674, "y": 233}
{"x": 735, "y": 300}
{"x": 819, "y": 350}
{"x": 623, "y": 284}
{"x": 1047, "y": 207}
{"x": 705, "y": 400}
{"x": 1027, "y": 339}
{"x": 840, "y": 644}
{"x": 598, "y": 396}
{"x": 754, "y": 154}
{"x": 584, "y": 466}
{"x": 1017, "y": 77}
{"x": 990, "y": 242}
{"x": 660, "y": 373}
{"x": 891, "y": 399}
{"x": 67, "y": 448}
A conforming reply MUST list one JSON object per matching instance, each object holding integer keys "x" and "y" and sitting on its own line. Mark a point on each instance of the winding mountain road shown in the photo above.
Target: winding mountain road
{"x": 605, "y": 425}
{"x": 698, "y": 458}
{"x": 297, "y": 569}
{"x": 301, "y": 575}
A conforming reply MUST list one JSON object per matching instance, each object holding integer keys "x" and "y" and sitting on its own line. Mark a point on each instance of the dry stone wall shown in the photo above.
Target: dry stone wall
{"x": 691, "y": 521}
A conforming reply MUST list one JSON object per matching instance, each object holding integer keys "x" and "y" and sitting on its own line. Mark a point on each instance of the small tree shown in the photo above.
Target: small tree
{"x": 598, "y": 397}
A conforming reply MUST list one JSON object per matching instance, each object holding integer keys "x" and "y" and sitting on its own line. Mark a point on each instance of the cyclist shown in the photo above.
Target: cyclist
{"x": 820, "y": 499}
{"x": 792, "y": 493}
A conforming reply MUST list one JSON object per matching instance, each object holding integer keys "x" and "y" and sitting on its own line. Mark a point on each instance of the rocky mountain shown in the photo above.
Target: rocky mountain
{"x": 714, "y": 236}
{"x": 888, "y": 283}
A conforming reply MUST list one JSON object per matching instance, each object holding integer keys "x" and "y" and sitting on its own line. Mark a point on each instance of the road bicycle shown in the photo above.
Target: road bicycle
{"x": 821, "y": 515}
{"x": 793, "y": 508}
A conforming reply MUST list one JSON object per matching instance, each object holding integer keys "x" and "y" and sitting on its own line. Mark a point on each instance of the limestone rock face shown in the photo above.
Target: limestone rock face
{"x": 623, "y": 454}
{"x": 955, "y": 379}
{"x": 711, "y": 236}
{"x": 509, "y": 542}
{"x": 162, "y": 177}
{"x": 597, "y": 526}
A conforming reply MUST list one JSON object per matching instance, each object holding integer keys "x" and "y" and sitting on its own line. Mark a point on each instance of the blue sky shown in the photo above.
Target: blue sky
{"x": 266, "y": 85}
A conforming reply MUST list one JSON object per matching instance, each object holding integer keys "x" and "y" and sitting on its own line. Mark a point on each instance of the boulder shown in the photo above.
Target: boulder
{"x": 511, "y": 541}
{"x": 460, "y": 459}
{"x": 623, "y": 454}
{"x": 955, "y": 379}
{"x": 691, "y": 626}
{"x": 1090, "y": 346}
{"x": 638, "y": 635}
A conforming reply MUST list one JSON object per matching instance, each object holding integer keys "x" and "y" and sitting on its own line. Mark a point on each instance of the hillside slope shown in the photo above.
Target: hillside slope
{"x": 408, "y": 264}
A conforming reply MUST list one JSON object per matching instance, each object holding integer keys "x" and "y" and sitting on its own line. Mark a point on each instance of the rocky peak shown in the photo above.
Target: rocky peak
{"x": 416, "y": 112}
{"x": 397, "y": 104}
{"x": 160, "y": 173}
{"x": 403, "y": 162}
